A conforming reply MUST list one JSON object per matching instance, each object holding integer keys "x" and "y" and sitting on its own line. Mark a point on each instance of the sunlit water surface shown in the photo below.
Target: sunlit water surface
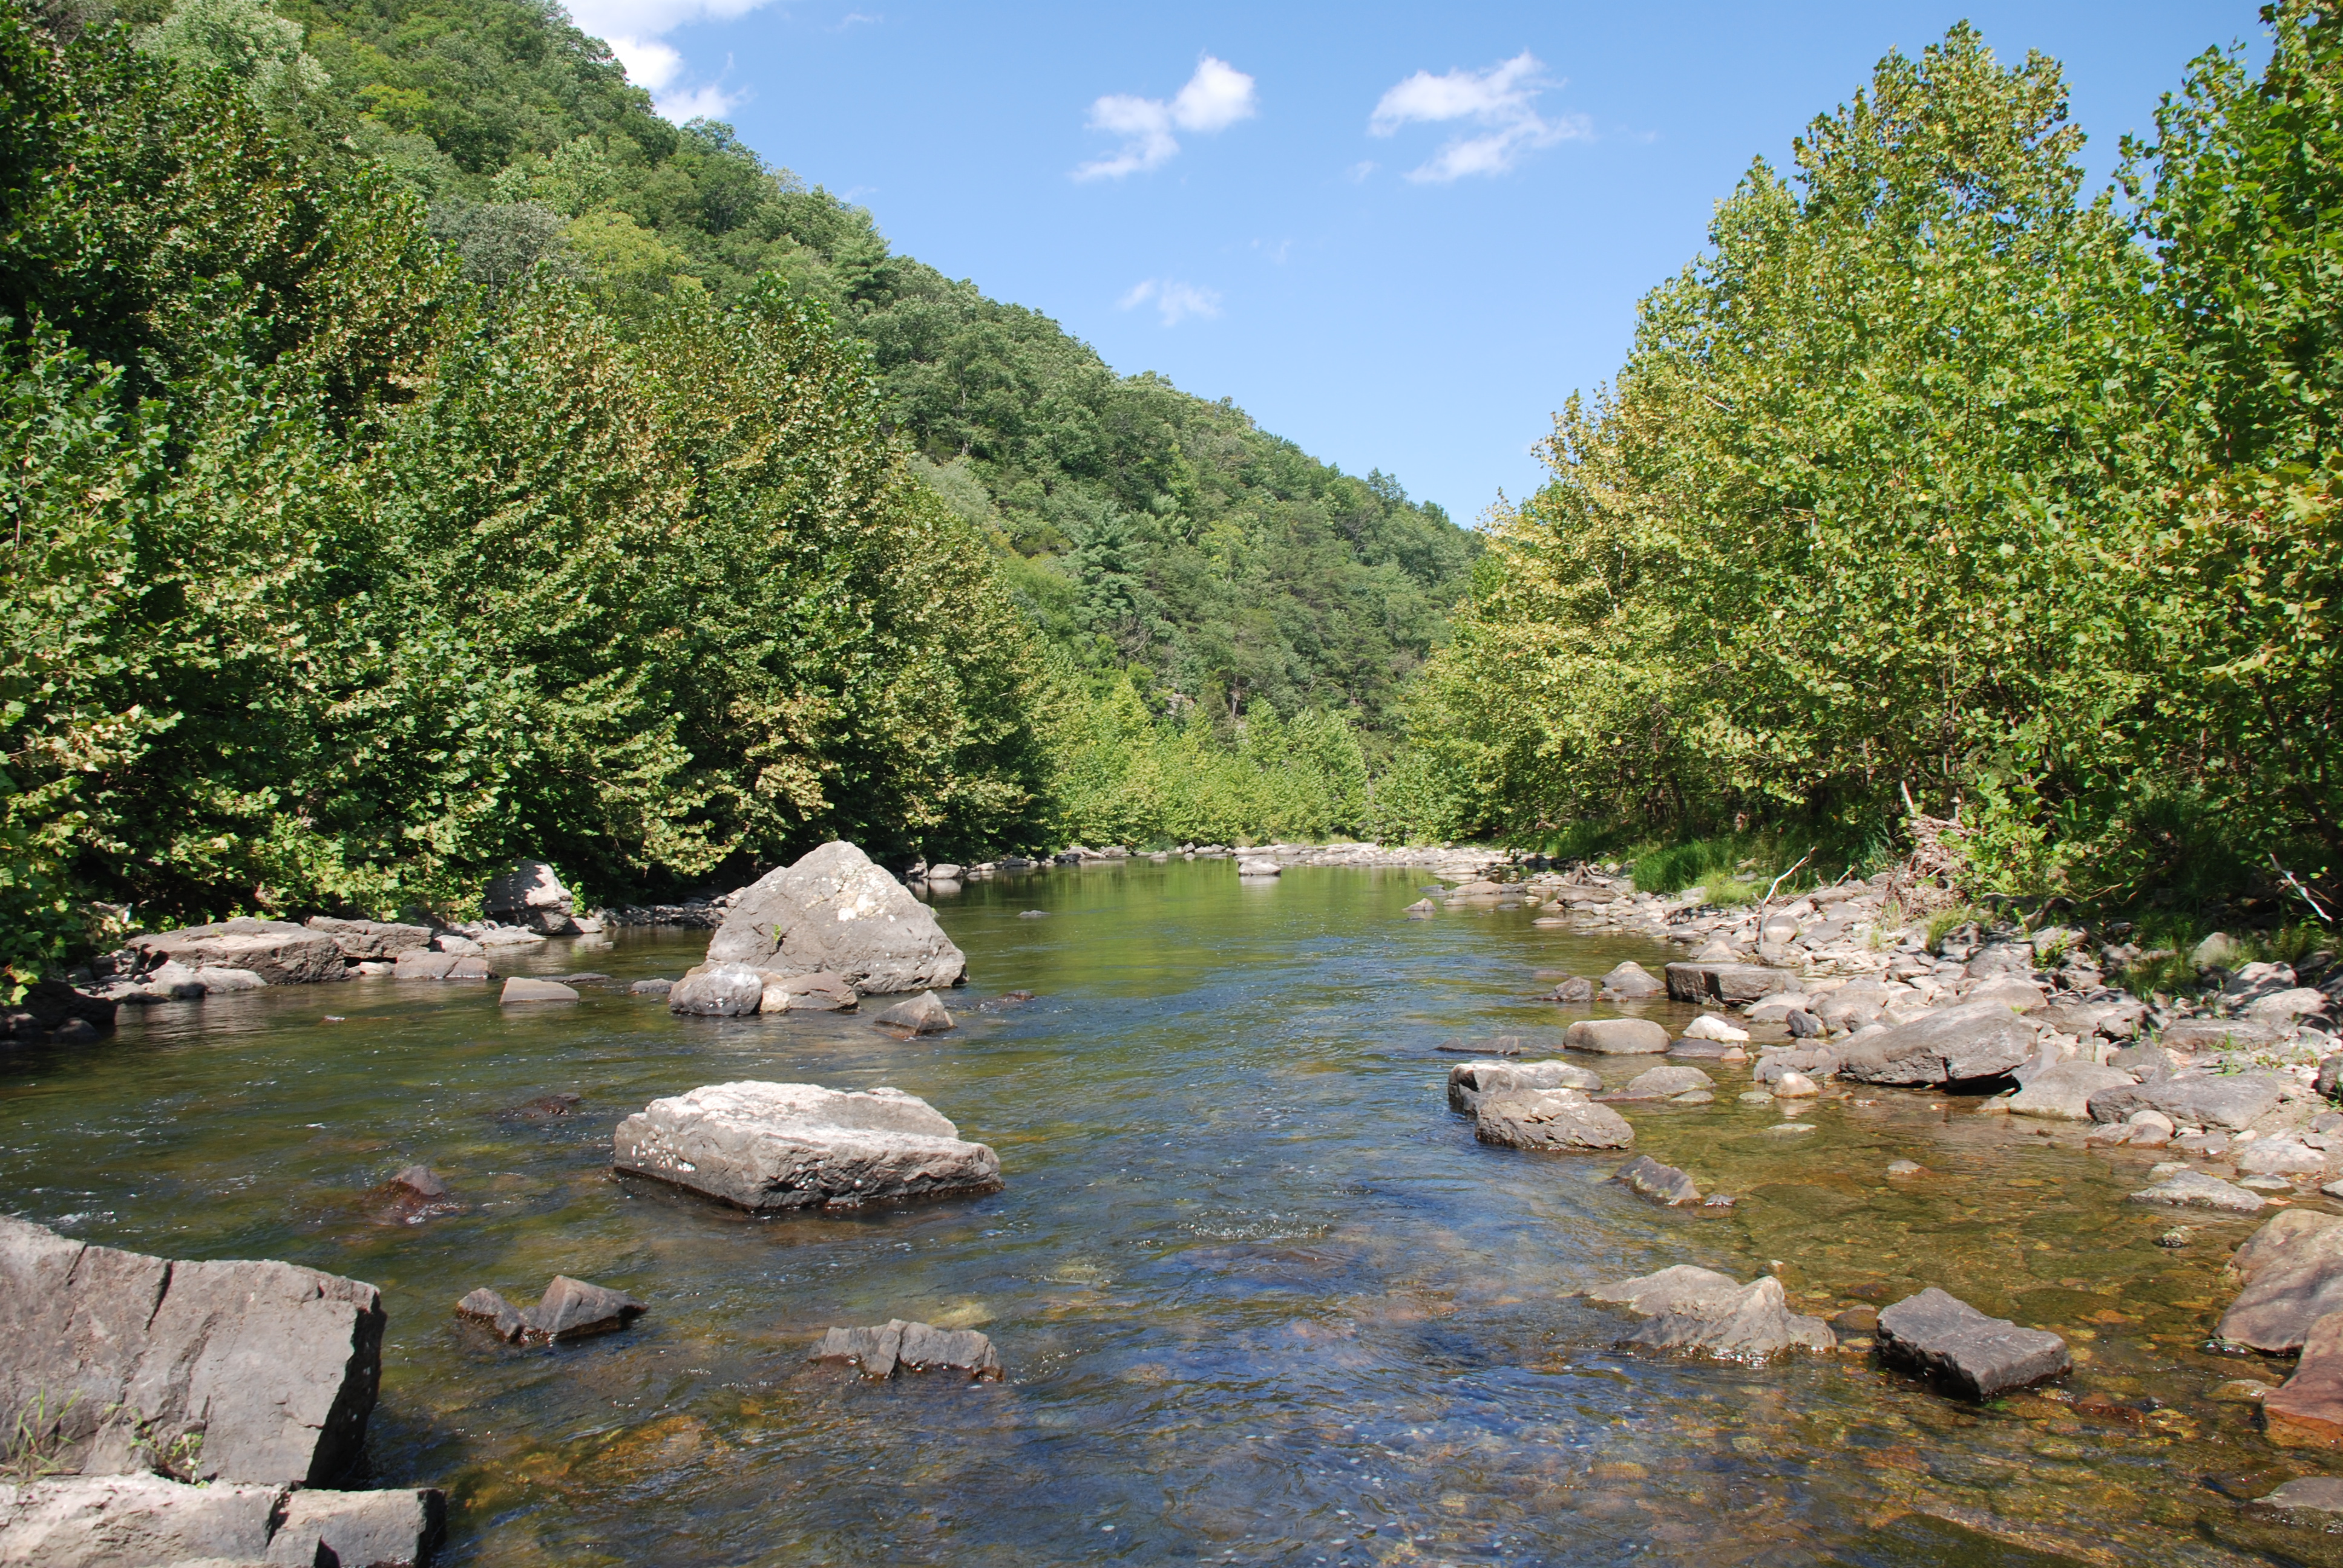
{"x": 1260, "y": 1295}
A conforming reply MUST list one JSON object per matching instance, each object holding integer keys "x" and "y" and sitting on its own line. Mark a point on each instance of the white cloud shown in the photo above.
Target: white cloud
{"x": 1216, "y": 97}
{"x": 1502, "y": 100}
{"x": 635, "y": 30}
{"x": 1176, "y": 301}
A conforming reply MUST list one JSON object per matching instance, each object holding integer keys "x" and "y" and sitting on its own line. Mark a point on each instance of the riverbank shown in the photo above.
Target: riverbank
{"x": 1254, "y": 1286}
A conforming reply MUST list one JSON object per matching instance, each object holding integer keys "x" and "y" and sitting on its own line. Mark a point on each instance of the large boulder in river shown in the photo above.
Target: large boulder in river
{"x": 766, "y": 1146}
{"x": 275, "y": 1366}
{"x": 837, "y": 913}
{"x": 1960, "y": 1044}
{"x": 715, "y": 990}
{"x": 2293, "y": 1273}
{"x": 278, "y": 952}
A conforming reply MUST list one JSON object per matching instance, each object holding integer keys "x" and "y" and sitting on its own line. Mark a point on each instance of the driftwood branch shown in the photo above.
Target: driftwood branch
{"x": 2314, "y": 906}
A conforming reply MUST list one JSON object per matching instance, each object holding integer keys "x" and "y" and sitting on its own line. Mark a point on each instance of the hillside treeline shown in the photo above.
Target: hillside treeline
{"x": 1940, "y": 484}
{"x": 1156, "y": 538}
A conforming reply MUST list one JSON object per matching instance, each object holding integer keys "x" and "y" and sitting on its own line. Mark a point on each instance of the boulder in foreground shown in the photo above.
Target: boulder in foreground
{"x": 1699, "y": 1309}
{"x": 274, "y": 1365}
{"x": 1943, "y": 1337}
{"x": 767, "y": 1146}
{"x": 835, "y": 912}
{"x": 1554, "y": 1119}
{"x": 880, "y": 1352}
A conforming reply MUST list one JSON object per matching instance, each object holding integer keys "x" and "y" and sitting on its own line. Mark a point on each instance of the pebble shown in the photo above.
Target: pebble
{"x": 1904, "y": 1168}
{"x": 2266, "y": 1183}
{"x": 1757, "y": 1097}
{"x": 2180, "y": 1237}
{"x": 1792, "y": 1127}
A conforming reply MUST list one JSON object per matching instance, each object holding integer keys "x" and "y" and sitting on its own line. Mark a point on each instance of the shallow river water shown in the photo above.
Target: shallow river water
{"x": 1261, "y": 1296}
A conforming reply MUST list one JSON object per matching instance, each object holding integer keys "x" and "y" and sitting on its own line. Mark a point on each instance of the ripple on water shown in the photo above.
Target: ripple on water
{"x": 1262, "y": 1297}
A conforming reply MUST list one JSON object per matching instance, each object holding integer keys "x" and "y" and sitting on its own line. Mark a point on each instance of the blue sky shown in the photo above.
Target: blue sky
{"x": 1399, "y": 236}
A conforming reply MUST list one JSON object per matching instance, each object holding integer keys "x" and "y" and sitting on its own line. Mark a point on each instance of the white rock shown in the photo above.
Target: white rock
{"x": 1708, "y": 1026}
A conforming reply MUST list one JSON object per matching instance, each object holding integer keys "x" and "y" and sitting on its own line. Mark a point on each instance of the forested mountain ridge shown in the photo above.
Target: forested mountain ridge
{"x": 1146, "y": 530}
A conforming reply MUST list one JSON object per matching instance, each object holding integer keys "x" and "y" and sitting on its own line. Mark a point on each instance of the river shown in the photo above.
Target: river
{"x": 1260, "y": 1295}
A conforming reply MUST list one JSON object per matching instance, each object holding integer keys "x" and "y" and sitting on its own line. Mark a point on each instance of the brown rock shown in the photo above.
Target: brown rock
{"x": 2308, "y": 1411}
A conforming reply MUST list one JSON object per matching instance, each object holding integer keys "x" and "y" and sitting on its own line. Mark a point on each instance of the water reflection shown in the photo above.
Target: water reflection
{"x": 1261, "y": 1296}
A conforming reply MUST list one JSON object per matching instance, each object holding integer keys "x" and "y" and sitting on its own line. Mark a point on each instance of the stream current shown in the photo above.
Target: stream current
{"x": 1261, "y": 1296}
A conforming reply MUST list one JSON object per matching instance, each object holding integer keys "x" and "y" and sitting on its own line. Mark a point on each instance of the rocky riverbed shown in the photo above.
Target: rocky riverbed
{"x": 1257, "y": 1289}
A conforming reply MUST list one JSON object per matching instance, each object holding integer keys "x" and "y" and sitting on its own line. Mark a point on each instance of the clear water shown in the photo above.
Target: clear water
{"x": 1260, "y": 1295}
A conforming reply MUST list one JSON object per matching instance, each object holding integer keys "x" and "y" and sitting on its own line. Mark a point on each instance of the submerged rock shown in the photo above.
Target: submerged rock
{"x": 1616, "y": 1037}
{"x": 765, "y": 1146}
{"x": 520, "y": 990}
{"x": 1943, "y": 1337}
{"x": 1551, "y": 1119}
{"x": 1662, "y": 1082}
{"x": 274, "y": 1365}
{"x": 1574, "y": 990}
{"x": 1699, "y": 1309}
{"x": 2195, "y": 1190}
{"x": 881, "y": 1351}
{"x": 414, "y": 1195}
{"x": 835, "y": 912}
{"x": 1647, "y": 1178}
{"x": 1469, "y": 1081}
{"x": 1960, "y": 1044}
{"x": 569, "y": 1310}
{"x": 923, "y": 1014}
{"x": 651, "y": 988}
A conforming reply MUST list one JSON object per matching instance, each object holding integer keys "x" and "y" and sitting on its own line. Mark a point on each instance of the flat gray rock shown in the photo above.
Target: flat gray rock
{"x": 1468, "y": 1081}
{"x": 519, "y": 990}
{"x": 132, "y": 1522}
{"x": 275, "y": 1365}
{"x": 2062, "y": 1093}
{"x": 384, "y": 1529}
{"x": 2292, "y": 1268}
{"x": 1552, "y": 1119}
{"x": 1616, "y": 1037}
{"x": 2322, "y": 1493}
{"x": 2195, "y": 1190}
{"x": 1959, "y": 1044}
{"x": 372, "y": 938}
{"x": 834, "y": 912}
{"x": 1631, "y": 982}
{"x": 1699, "y": 1309}
{"x": 881, "y": 1351}
{"x": 1733, "y": 984}
{"x": 278, "y": 952}
{"x": 1647, "y": 1178}
{"x": 417, "y": 964}
{"x": 767, "y": 1146}
{"x": 2229, "y": 1101}
{"x": 1944, "y": 1338}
